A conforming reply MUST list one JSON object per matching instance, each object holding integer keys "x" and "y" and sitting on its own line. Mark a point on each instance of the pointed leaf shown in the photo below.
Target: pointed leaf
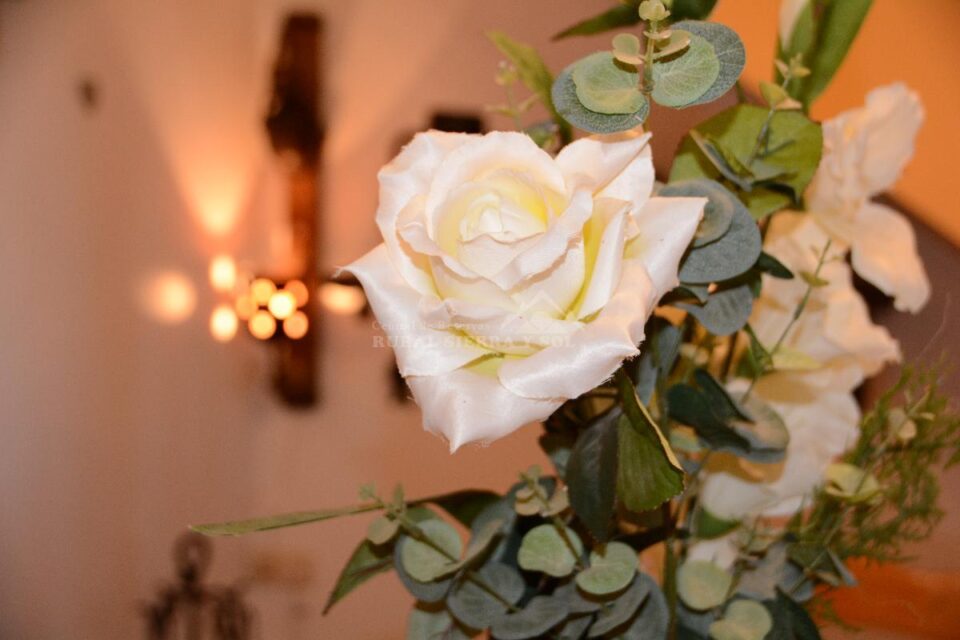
{"x": 242, "y": 527}
{"x": 366, "y": 561}
{"x": 619, "y": 16}
{"x": 592, "y": 475}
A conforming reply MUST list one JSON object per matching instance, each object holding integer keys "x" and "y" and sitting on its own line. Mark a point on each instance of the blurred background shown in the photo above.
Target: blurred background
{"x": 140, "y": 192}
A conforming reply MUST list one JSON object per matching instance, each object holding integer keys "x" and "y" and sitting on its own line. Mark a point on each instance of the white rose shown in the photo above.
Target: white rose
{"x": 864, "y": 153}
{"x": 509, "y": 281}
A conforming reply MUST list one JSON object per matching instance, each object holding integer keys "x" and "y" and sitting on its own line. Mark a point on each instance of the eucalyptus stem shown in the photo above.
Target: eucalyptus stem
{"x": 764, "y": 130}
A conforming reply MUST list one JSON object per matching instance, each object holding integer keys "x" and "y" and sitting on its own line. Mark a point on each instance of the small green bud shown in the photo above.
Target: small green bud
{"x": 773, "y": 94}
{"x": 507, "y": 74}
{"x": 653, "y": 11}
{"x": 797, "y": 70}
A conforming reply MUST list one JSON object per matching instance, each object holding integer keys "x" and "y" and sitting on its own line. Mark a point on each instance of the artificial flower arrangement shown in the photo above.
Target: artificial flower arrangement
{"x": 691, "y": 348}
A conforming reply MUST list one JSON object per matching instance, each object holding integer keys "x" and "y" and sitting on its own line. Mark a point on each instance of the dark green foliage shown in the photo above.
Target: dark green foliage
{"x": 592, "y": 475}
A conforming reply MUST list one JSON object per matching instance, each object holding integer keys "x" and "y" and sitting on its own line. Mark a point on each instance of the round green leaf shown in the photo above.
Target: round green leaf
{"x": 717, "y": 215}
{"x": 428, "y": 592}
{"x": 653, "y": 619}
{"x": 729, "y": 51}
{"x": 743, "y": 620}
{"x": 426, "y": 624}
{"x": 626, "y": 48}
{"x": 612, "y": 567}
{"x": 568, "y": 105}
{"x": 475, "y": 606}
{"x": 382, "y": 530}
{"x": 607, "y": 86}
{"x": 622, "y": 609}
{"x": 727, "y": 257}
{"x": 702, "y": 584}
{"x": 540, "y": 615}
{"x": 544, "y": 549}
{"x": 423, "y": 562}
{"x": 680, "y": 81}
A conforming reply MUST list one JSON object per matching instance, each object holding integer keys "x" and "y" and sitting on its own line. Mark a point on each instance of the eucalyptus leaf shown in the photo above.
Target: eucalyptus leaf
{"x": 702, "y": 584}
{"x": 766, "y": 432}
{"x": 681, "y": 81}
{"x": 717, "y": 215}
{"x": 648, "y": 473}
{"x": 731, "y": 255}
{"x": 766, "y": 263}
{"x": 691, "y": 9}
{"x": 792, "y": 620}
{"x": 619, "y": 611}
{"x": 477, "y": 547}
{"x": 540, "y": 615}
{"x": 366, "y": 561}
{"x": 382, "y": 530}
{"x": 475, "y": 606}
{"x": 725, "y": 312}
{"x": 607, "y": 86}
{"x": 618, "y": 16}
{"x": 652, "y": 621}
{"x": 577, "y": 601}
{"x": 743, "y": 620}
{"x": 592, "y": 475}
{"x": 761, "y": 581}
{"x": 691, "y": 407}
{"x": 729, "y": 51}
{"x": 464, "y": 505}
{"x": 546, "y": 550}
{"x": 433, "y": 624}
{"x": 574, "y": 628}
{"x": 425, "y": 563}
{"x": 569, "y": 106}
{"x": 792, "y": 144}
{"x": 428, "y": 592}
{"x": 612, "y": 567}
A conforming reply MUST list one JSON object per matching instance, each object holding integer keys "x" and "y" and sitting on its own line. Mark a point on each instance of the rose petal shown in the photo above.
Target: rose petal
{"x": 604, "y": 242}
{"x": 885, "y": 254}
{"x": 419, "y": 349}
{"x": 592, "y": 354}
{"x": 404, "y": 178}
{"x": 890, "y": 122}
{"x": 610, "y": 167}
{"x": 465, "y": 406}
{"x": 666, "y": 228}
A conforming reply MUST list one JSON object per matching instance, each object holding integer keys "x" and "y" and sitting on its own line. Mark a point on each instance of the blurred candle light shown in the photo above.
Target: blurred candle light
{"x": 261, "y": 290}
{"x": 299, "y": 291}
{"x": 223, "y": 273}
{"x": 342, "y": 299}
{"x": 262, "y": 325}
{"x": 296, "y": 326}
{"x": 223, "y": 323}
{"x": 168, "y": 297}
{"x": 282, "y": 305}
{"x": 245, "y": 306}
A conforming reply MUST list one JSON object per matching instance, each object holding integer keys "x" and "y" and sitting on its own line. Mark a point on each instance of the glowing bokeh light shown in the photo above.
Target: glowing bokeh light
{"x": 261, "y": 290}
{"x": 342, "y": 299}
{"x": 168, "y": 297}
{"x": 262, "y": 325}
{"x": 299, "y": 291}
{"x": 245, "y": 307}
{"x": 223, "y": 323}
{"x": 296, "y": 326}
{"x": 282, "y": 305}
{"x": 223, "y": 273}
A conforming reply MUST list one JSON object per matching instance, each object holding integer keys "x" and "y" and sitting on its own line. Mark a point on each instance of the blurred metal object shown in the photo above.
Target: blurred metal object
{"x": 191, "y": 610}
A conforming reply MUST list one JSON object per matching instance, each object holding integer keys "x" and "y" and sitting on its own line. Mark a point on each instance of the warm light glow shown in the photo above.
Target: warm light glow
{"x": 299, "y": 291}
{"x": 168, "y": 297}
{"x": 261, "y": 290}
{"x": 223, "y": 323}
{"x": 296, "y": 325}
{"x": 282, "y": 305}
{"x": 223, "y": 273}
{"x": 262, "y": 325}
{"x": 245, "y": 307}
{"x": 341, "y": 298}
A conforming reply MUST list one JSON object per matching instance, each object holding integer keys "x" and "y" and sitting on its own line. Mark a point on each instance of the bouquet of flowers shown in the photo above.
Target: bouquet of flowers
{"x": 690, "y": 347}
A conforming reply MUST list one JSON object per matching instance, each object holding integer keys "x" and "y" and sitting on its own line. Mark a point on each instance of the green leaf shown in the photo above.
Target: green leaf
{"x": 626, "y": 49}
{"x": 717, "y": 215}
{"x": 619, "y": 16}
{"x": 760, "y": 581}
{"x": 793, "y": 145}
{"x": 709, "y": 526}
{"x": 681, "y": 81}
{"x": 607, "y": 86}
{"x": 851, "y": 483}
{"x": 433, "y": 624}
{"x": 366, "y": 561}
{"x": 731, "y": 255}
{"x": 728, "y": 49}
{"x": 789, "y": 359}
{"x": 425, "y": 563}
{"x": 766, "y": 263}
{"x": 475, "y": 606}
{"x": 428, "y": 592}
{"x": 382, "y": 530}
{"x": 463, "y": 505}
{"x": 592, "y": 475}
{"x": 648, "y": 474}
{"x": 792, "y": 620}
{"x": 702, "y": 584}
{"x": 242, "y": 527}
{"x": 743, "y": 620}
{"x": 726, "y": 310}
{"x": 622, "y": 609}
{"x": 813, "y": 279}
{"x": 689, "y": 406}
{"x": 691, "y": 9}
{"x": 569, "y": 106}
{"x": 533, "y": 73}
{"x": 477, "y": 547}
{"x": 653, "y": 619}
{"x": 767, "y": 434}
{"x": 540, "y": 615}
{"x": 545, "y": 550}
{"x": 612, "y": 567}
